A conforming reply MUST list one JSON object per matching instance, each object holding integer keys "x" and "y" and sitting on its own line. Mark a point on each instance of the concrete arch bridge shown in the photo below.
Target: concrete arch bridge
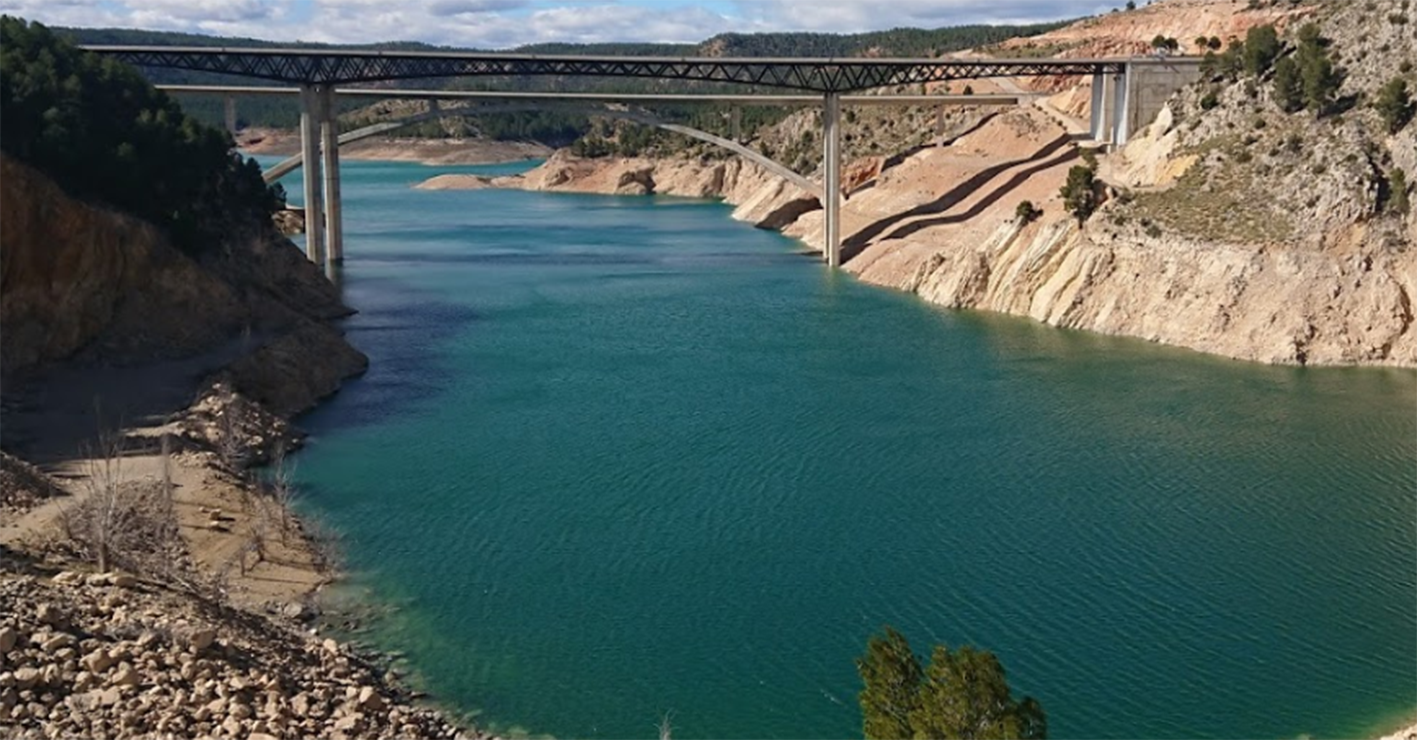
{"x": 294, "y": 162}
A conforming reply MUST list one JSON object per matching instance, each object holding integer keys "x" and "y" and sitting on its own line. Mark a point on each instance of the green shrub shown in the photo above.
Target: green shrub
{"x": 1394, "y": 105}
{"x": 1397, "y": 201}
{"x": 1080, "y": 196}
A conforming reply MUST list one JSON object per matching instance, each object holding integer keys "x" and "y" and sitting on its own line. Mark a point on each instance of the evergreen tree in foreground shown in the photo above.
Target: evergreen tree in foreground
{"x": 892, "y": 677}
{"x": 963, "y": 694}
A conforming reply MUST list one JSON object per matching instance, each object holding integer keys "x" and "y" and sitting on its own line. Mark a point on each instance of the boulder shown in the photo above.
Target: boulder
{"x": 202, "y": 639}
{"x": 8, "y": 638}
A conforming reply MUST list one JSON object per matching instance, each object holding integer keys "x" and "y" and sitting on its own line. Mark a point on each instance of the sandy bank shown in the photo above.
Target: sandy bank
{"x": 284, "y": 143}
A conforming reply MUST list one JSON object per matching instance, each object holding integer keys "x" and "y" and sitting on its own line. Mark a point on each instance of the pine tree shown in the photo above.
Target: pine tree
{"x": 1394, "y": 105}
{"x": 1288, "y": 85}
{"x": 1397, "y": 192}
{"x": 1320, "y": 79}
{"x": 1080, "y": 192}
{"x": 966, "y": 695}
{"x": 1321, "y": 82}
{"x": 891, "y": 674}
{"x": 1261, "y": 49}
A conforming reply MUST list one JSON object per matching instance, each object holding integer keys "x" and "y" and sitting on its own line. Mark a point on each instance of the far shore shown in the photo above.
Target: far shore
{"x": 432, "y": 152}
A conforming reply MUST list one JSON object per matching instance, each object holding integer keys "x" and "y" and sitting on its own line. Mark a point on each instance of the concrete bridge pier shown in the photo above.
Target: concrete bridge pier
{"x": 230, "y": 114}
{"x": 735, "y": 123}
{"x": 310, "y": 153}
{"x": 1119, "y": 125}
{"x": 831, "y": 178}
{"x": 329, "y": 155}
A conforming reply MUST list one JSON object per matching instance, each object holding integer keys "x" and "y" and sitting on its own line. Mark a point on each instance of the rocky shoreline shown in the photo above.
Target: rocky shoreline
{"x": 95, "y": 655}
{"x": 152, "y": 583}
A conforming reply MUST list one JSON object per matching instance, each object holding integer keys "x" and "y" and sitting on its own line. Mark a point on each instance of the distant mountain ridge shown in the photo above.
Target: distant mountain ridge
{"x": 894, "y": 42}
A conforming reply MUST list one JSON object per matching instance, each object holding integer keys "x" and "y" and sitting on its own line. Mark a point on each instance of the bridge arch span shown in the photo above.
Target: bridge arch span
{"x": 290, "y": 164}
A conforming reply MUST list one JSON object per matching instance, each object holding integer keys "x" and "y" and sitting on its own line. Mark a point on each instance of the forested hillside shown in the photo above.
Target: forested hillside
{"x": 897, "y": 42}
{"x": 104, "y": 134}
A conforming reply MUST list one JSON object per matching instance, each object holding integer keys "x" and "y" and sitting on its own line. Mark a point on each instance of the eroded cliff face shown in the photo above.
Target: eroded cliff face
{"x": 72, "y": 275}
{"x": 1270, "y": 305}
{"x": 941, "y": 223}
{"x": 82, "y": 282}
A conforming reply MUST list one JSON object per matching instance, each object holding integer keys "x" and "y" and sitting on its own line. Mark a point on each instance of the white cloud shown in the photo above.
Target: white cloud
{"x": 200, "y": 11}
{"x": 507, "y": 23}
{"x": 847, "y": 16}
{"x": 461, "y": 7}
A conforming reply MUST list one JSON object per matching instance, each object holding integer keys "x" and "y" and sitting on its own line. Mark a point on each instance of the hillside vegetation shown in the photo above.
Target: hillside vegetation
{"x": 103, "y": 133}
{"x": 1298, "y": 136}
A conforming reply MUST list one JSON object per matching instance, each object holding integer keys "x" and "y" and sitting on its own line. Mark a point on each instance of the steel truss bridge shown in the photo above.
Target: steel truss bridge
{"x": 827, "y": 75}
{"x": 316, "y": 72}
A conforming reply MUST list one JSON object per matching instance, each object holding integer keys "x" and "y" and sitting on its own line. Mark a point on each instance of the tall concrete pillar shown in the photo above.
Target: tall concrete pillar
{"x": 329, "y": 160}
{"x": 1122, "y": 106}
{"x": 1098, "y": 120}
{"x": 310, "y": 169}
{"x": 831, "y": 178}
{"x": 940, "y": 124}
{"x": 735, "y": 123}
{"x": 231, "y": 114}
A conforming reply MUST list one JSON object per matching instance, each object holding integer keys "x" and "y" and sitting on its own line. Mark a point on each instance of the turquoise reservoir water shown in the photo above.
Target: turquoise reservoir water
{"x": 617, "y": 457}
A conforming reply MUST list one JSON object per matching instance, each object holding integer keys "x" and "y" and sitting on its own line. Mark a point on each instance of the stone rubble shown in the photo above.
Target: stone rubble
{"x": 109, "y": 657}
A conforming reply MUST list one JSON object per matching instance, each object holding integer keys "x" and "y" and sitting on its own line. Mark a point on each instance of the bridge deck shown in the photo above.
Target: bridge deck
{"x": 819, "y": 75}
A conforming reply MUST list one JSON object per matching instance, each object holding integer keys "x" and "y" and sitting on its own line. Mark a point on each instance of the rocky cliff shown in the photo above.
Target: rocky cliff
{"x": 82, "y": 282}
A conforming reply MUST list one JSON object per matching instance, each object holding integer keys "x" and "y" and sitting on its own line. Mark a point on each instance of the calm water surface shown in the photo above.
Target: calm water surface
{"x": 617, "y": 457}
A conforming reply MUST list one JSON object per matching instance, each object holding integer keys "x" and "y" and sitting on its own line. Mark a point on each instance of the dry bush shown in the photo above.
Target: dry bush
{"x": 324, "y": 544}
{"x": 282, "y": 493}
{"x": 231, "y": 447}
{"x": 125, "y": 524}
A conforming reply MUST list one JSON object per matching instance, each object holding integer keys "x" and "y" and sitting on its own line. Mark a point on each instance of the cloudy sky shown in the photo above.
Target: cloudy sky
{"x": 507, "y": 23}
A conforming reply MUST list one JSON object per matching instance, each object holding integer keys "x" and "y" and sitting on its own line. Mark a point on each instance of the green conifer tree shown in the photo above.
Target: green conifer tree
{"x": 1288, "y": 85}
{"x": 1397, "y": 192}
{"x": 1394, "y": 105}
{"x": 1261, "y": 49}
{"x": 966, "y": 695}
{"x": 1080, "y": 193}
{"x": 891, "y": 674}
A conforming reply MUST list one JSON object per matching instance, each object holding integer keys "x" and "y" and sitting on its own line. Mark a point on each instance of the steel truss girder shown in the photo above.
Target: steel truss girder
{"x": 329, "y": 67}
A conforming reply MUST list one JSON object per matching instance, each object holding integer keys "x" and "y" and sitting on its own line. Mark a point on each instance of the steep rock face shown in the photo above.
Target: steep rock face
{"x": 72, "y": 274}
{"x": 291, "y": 373}
{"x": 1267, "y": 305}
{"x": 80, "y": 280}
